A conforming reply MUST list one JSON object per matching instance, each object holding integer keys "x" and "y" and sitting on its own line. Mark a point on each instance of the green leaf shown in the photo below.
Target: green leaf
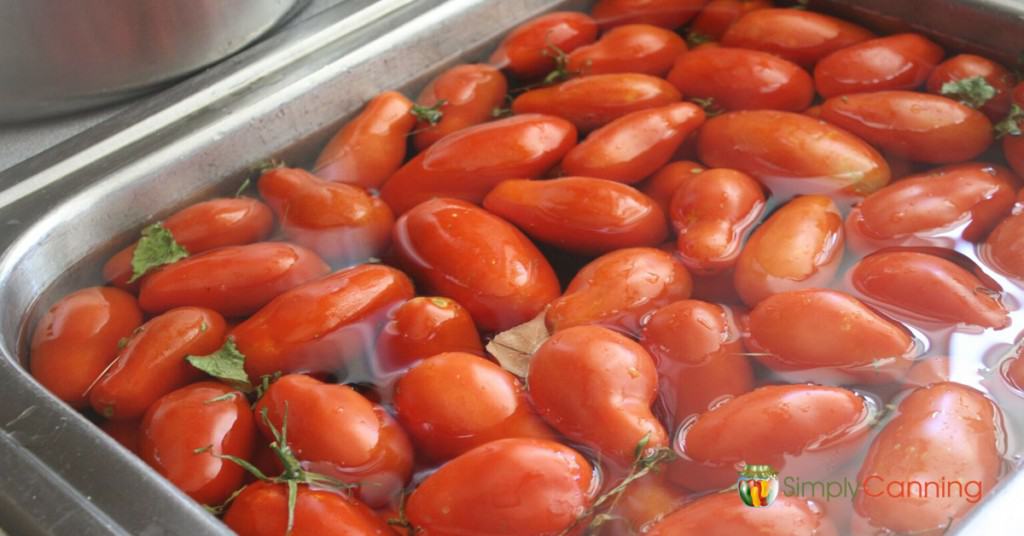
{"x": 694, "y": 39}
{"x": 711, "y": 108}
{"x": 1011, "y": 125}
{"x": 641, "y": 446}
{"x": 156, "y": 248}
{"x": 226, "y": 364}
{"x": 973, "y": 92}
{"x": 245, "y": 186}
{"x": 431, "y": 114}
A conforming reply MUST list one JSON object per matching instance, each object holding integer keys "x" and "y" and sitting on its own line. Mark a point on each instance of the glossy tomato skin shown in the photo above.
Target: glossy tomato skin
{"x": 323, "y": 324}
{"x": 343, "y": 224}
{"x": 630, "y": 148}
{"x": 665, "y": 13}
{"x": 607, "y": 406}
{"x": 591, "y": 102}
{"x": 942, "y": 433}
{"x": 470, "y": 94}
{"x": 369, "y": 148}
{"x": 632, "y": 48}
{"x": 234, "y": 281}
{"x": 663, "y": 184}
{"x": 504, "y": 282}
{"x": 617, "y": 289}
{"x": 740, "y": 79}
{"x": 468, "y": 163}
{"x": 152, "y": 363}
{"x": 803, "y": 37}
{"x": 719, "y": 15}
{"x": 798, "y": 246}
{"x": 262, "y": 510}
{"x": 928, "y": 286}
{"x": 78, "y": 338}
{"x": 525, "y": 51}
{"x": 469, "y": 495}
{"x": 792, "y": 152}
{"x": 201, "y": 227}
{"x": 696, "y": 346}
{"x": 205, "y": 415}
{"x": 964, "y": 66}
{"x": 721, "y": 514}
{"x": 902, "y": 61}
{"x": 1015, "y": 372}
{"x": 422, "y": 327}
{"x": 918, "y": 126}
{"x": 712, "y": 212}
{"x": 453, "y": 402}
{"x": 580, "y": 214}
{"x": 1004, "y": 248}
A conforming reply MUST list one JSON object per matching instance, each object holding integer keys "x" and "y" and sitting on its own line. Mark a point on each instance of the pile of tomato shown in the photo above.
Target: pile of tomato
{"x": 574, "y": 289}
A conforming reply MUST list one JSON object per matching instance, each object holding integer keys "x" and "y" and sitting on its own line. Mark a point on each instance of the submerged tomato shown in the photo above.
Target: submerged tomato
{"x": 1005, "y": 246}
{"x": 470, "y": 94}
{"x": 529, "y": 50}
{"x": 719, "y": 15}
{"x": 967, "y": 66}
{"x": 262, "y": 510}
{"x": 902, "y": 61}
{"x": 633, "y": 48}
{"x": 723, "y": 514}
{"x": 740, "y": 79}
{"x": 1015, "y": 372}
{"x": 665, "y": 13}
{"x": 422, "y": 327}
{"x": 803, "y": 37}
{"x": 663, "y": 184}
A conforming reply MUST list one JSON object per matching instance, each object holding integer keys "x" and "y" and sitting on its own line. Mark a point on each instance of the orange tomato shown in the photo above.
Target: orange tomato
{"x": 740, "y": 79}
{"x": 529, "y": 50}
{"x": 632, "y": 48}
{"x": 803, "y": 37}
{"x": 902, "y": 61}
{"x": 470, "y": 94}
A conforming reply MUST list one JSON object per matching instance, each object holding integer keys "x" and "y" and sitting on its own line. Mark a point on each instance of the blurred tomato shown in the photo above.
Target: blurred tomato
{"x": 529, "y": 50}
{"x": 422, "y": 327}
{"x": 803, "y": 37}
{"x": 262, "y": 510}
{"x": 470, "y": 94}
{"x": 1004, "y": 248}
{"x": 124, "y": 432}
{"x": 633, "y": 48}
{"x": 902, "y": 61}
{"x": 723, "y": 514}
{"x": 719, "y": 15}
{"x": 665, "y": 13}
{"x": 739, "y": 79}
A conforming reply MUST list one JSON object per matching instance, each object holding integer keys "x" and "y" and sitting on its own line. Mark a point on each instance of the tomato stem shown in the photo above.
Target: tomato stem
{"x": 431, "y": 114}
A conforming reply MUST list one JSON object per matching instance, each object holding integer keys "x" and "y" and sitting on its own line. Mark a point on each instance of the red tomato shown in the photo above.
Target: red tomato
{"x": 262, "y": 510}
{"x": 453, "y": 402}
{"x": 481, "y": 261}
{"x": 712, "y": 213}
{"x": 468, "y": 163}
{"x": 665, "y": 13}
{"x": 529, "y": 50}
{"x": 799, "y": 246}
{"x": 738, "y": 79}
{"x": 618, "y": 289}
{"x": 792, "y": 152}
{"x": 343, "y": 224}
{"x": 369, "y": 148}
{"x": 663, "y": 184}
{"x": 901, "y": 61}
{"x": 77, "y": 339}
{"x": 967, "y": 66}
{"x": 941, "y": 434}
{"x": 185, "y": 433}
{"x": 152, "y": 363}
{"x": 422, "y": 327}
{"x": 647, "y": 499}
{"x": 323, "y": 324}
{"x": 933, "y": 369}
{"x": 1004, "y": 248}
{"x": 470, "y": 94}
{"x": 723, "y": 514}
{"x": 630, "y": 148}
{"x": 1013, "y": 151}
{"x": 696, "y": 346}
{"x": 607, "y": 405}
{"x": 591, "y": 102}
{"x": 719, "y": 15}
{"x": 201, "y": 227}
{"x": 124, "y": 432}
{"x": 930, "y": 287}
{"x": 509, "y": 486}
{"x": 803, "y": 37}
{"x": 234, "y": 281}
{"x": 633, "y": 48}
{"x": 580, "y": 214}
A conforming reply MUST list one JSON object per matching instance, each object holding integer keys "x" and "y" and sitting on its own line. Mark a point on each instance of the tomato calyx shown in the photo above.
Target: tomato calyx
{"x": 973, "y": 92}
{"x": 695, "y": 39}
{"x": 226, "y": 364}
{"x": 1011, "y": 125}
{"x": 710, "y": 107}
{"x": 431, "y": 114}
{"x": 155, "y": 248}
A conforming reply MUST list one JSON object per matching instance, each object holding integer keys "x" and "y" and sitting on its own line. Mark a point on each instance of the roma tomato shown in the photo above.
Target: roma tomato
{"x": 591, "y": 102}
{"x": 635, "y": 145}
{"x": 186, "y": 432}
{"x": 719, "y": 15}
{"x": 696, "y": 346}
{"x": 549, "y": 484}
{"x": 202, "y": 227}
{"x": 803, "y": 37}
{"x": 77, "y": 339}
{"x": 530, "y": 49}
{"x": 503, "y": 282}
{"x": 799, "y": 246}
{"x": 712, "y": 213}
{"x": 323, "y": 324}
{"x": 1004, "y": 248}
{"x": 152, "y": 363}
{"x": 633, "y": 48}
{"x": 739, "y": 79}
{"x": 665, "y": 13}
{"x": 468, "y": 163}
{"x": 946, "y": 435}
{"x": 369, "y": 148}
{"x": 453, "y": 402}
{"x": 960, "y": 70}
{"x": 647, "y": 499}
{"x": 422, "y": 327}
{"x": 723, "y": 514}
{"x": 261, "y": 509}
{"x": 580, "y": 214}
{"x": 918, "y": 126}
{"x": 902, "y": 61}
{"x": 616, "y": 290}
{"x": 470, "y": 94}
{"x": 234, "y": 281}
{"x": 343, "y": 224}
{"x": 365, "y": 444}
{"x": 607, "y": 406}
{"x": 930, "y": 287}
{"x": 792, "y": 152}
{"x": 663, "y": 184}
